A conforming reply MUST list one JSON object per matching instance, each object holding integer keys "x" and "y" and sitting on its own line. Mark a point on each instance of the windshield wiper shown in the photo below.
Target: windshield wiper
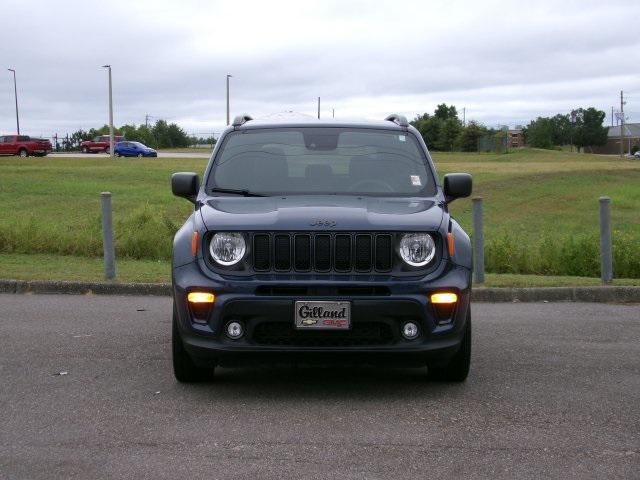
{"x": 237, "y": 191}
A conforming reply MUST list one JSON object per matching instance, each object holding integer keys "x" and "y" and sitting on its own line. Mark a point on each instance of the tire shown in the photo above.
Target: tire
{"x": 118, "y": 154}
{"x": 139, "y": 155}
{"x": 85, "y": 150}
{"x": 23, "y": 153}
{"x": 184, "y": 369}
{"x": 457, "y": 369}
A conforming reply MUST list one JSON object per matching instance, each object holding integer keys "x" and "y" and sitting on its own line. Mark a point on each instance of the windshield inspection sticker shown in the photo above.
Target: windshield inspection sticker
{"x": 402, "y": 138}
{"x": 415, "y": 181}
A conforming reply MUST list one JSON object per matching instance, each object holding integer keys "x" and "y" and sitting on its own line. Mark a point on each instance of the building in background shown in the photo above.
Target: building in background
{"x": 516, "y": 138}
{"x": 612, "y": 147}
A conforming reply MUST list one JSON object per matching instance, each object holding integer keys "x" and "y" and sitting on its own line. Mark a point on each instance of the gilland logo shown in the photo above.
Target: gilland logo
{"x": 323, "y": 223}
{"x": 326, "y": 315}
{"x": 306, "y": 311}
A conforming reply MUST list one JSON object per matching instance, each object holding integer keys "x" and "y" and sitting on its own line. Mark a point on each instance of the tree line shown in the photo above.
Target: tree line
{"x": 581, "y": 128}
{"x": 158, "y": 135}
{"x": 444, "y": 131}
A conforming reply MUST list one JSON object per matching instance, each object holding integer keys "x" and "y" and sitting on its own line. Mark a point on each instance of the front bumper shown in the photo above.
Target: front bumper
{"x": 381, "y": 315}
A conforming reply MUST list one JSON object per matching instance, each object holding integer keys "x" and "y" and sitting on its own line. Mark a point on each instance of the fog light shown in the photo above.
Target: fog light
{"x": 234, "y": 330}
{"x": 410, "y": 330}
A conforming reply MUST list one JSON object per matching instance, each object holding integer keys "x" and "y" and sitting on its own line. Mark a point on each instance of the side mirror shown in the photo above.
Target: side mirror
{"x": 186, "y": 185}
{"x": 457, "y": 185}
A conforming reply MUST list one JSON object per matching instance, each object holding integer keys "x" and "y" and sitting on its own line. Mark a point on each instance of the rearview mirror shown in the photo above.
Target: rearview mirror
{"x": 186, "y": 185}
{"x": 457, "y": 185}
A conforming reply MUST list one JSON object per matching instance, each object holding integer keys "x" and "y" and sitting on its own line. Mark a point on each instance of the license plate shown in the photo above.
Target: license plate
{"x": 323, "y": 315}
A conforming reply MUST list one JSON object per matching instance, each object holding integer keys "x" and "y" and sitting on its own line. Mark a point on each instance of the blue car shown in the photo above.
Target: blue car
{"x": 133, "y": 149}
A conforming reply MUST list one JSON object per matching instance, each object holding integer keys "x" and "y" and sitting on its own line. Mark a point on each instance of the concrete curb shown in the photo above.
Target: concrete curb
{"x": 480, "y": 294}
{"x": 84, "y": 288}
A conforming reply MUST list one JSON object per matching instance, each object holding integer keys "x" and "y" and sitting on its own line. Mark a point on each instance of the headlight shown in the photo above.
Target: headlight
{"x": 417, "y": 249}
{"x": 227, "y": 248}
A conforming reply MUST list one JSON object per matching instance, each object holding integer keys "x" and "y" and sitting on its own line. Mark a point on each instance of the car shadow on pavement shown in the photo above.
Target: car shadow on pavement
{"x": 359, "y": 382}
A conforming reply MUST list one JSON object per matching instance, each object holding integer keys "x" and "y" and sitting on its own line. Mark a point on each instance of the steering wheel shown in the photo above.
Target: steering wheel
{"x": 379, "y": 183}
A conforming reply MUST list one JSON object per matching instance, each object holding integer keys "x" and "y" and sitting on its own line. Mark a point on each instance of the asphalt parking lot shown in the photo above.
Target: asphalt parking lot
{"x": 554, "y": 392}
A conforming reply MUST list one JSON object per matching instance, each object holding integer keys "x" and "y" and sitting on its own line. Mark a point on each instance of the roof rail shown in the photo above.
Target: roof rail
{"x": 400, "y": 120}
{"x": 241, "y": 120}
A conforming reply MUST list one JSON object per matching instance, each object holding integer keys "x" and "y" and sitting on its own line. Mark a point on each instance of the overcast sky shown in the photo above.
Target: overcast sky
{"x": 506, "y": 62}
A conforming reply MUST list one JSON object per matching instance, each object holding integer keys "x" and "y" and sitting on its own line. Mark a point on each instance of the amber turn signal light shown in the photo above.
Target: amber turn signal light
{"x": 200, "y": 305}
{"x": 444, "y": 305}
{"x": 201, "y": 297}
{"x": 451, "y": 244}
{"x": 195, "y": 241}
{"x": 444, "y": 298}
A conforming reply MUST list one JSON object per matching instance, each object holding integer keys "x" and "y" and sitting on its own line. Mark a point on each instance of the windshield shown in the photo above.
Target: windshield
{"x": 138, "y": 144}
{"x": 330, "y": 161}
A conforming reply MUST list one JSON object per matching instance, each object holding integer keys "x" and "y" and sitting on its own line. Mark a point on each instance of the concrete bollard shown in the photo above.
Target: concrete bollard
{"x": 606, "y": 246}
{"x": 478, "y": 241}
{"x": 107, "y": 237}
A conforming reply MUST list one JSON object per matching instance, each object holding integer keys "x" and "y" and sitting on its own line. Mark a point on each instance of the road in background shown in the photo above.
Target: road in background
{"x": 553, "y": 392}
{"x": 104, "y": 155}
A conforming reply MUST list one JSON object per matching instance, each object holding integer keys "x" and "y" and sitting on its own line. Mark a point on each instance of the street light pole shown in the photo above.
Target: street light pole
{"x": 111, "y": 139}
{"x": 228, "y": 77}
{"x": 15, "y": 91}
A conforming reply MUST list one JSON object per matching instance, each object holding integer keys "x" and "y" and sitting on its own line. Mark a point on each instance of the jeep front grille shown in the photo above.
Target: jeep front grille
{"x": 323, "y": 252}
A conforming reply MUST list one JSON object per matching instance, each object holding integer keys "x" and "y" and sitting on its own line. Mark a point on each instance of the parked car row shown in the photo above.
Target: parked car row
{"x": 23, "y": 145}
{"x": 122, "y": 147}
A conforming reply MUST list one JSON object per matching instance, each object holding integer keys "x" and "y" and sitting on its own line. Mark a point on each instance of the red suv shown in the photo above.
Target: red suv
{"x": 99, "y": 144}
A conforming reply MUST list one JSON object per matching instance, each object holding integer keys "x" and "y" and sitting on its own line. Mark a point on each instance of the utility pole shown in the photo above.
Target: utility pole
{"x": 228, "y": 77}
{"x": 111, "y": 139}
{"x": 464, "y": 116}
{"x": 612, "y": 116}
{"x": 318, "y": 107}
{"x": 621, "y": 124}
{"x": 15, "y": 91}
{"x": 333, "y": 113}
{"x": 146, "y": 120}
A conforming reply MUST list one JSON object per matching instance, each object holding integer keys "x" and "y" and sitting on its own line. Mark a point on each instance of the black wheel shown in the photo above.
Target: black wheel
{"x": 23, "y": 153}
{"x": 184, "y": 369}
{"x": 118, "y": 154}
{"x": 85, "y": 150}
{"x": 139, "y": 155}
{"x": 457, "y": 369}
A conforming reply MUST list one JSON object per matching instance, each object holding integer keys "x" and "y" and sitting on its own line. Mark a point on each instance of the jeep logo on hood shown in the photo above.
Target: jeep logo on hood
{"x": 323, "y": 223}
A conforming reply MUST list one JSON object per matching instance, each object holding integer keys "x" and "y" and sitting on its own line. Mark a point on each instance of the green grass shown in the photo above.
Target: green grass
{"x": 542, "y": 212}
{"x": 17, "y": 266}
{"x": 541, "y": 208}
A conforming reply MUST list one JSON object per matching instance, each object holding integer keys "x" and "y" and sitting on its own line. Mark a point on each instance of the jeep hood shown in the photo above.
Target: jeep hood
{"x": 309, "y": 213}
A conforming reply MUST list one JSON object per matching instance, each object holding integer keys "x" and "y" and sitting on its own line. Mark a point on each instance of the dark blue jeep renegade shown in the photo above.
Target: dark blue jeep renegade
{"x": 321, "y": 241}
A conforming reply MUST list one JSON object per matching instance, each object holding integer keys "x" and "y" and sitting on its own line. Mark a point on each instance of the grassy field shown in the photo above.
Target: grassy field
{"x": 541, "y": 208}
